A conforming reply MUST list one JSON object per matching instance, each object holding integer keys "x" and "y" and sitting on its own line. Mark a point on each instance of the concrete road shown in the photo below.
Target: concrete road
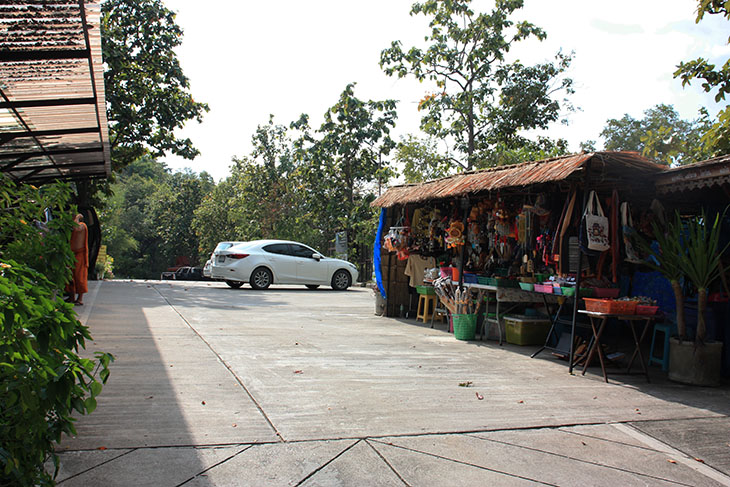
{"x": 215, "y": 386}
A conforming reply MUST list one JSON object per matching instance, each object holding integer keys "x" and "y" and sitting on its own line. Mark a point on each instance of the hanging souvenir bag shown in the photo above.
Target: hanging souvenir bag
{"x": 627, "y": 229}
{"x": 596, "y": 225}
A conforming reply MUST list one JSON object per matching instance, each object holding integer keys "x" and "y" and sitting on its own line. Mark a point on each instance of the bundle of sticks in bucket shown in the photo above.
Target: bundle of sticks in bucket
{"x": 456, "y": 300}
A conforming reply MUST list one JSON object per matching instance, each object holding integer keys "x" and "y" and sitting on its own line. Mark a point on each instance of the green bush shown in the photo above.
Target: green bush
{"x": 43, "y": 380}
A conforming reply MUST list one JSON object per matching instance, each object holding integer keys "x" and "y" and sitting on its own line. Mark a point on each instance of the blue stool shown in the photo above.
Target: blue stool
{"x": 667, "y": 329}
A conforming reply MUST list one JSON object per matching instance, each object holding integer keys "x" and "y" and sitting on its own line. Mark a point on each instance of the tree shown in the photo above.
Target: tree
{"x": 420, "y": 159}
{"x": 348, "y": 158}
{"x": 661, "y": 135}
{"x": 45, "y": 378}
{"x": 147, "y": 93}
{"x": 482, "y": 100}
{"x": 717, "y": 137}
{"x": 148, "y": 221}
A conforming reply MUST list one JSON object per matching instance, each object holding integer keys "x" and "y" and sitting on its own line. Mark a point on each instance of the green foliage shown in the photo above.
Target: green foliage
{"x": 482, "y": 101}
{"x": 717, "y": 139}
{"x": 148, "y": 222}
{"x": 421, "y": 160}
{"x": 305, "y": 185}
{"x": 347, "y": 160}
{"x": 661, "y": 135}
{"x": 26, "y": 237}
{"x": 43, "y": 380}
{"x": 146, "y": 91}
{"x": 542, "y": 148}
{"x": 687, "y": 248}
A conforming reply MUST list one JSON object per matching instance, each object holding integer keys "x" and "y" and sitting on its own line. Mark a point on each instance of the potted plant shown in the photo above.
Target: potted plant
{"x": 666, "y": 259}
{"x": 690, "y": 249}
{"x": 699, "y": 363}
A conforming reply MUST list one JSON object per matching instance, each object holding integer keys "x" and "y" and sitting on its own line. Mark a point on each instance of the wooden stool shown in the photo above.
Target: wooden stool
{"x": 426, "y": 306}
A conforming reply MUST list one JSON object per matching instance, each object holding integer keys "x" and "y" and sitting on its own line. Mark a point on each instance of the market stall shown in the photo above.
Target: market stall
{"x": 517, "y": 232}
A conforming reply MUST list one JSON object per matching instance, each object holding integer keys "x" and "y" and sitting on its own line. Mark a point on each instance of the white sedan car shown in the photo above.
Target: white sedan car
{"x": 265, "y": 262}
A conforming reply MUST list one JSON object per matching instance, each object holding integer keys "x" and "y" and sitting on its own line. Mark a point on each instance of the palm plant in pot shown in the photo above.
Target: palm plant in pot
{"x": 691, "y": 249}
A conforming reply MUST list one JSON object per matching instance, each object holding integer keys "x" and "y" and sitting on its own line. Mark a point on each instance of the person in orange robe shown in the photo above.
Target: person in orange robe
{"x": 80, "y": 247}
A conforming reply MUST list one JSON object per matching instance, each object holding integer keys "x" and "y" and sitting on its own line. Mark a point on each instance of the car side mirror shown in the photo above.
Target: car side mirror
{"x": 316, "y": 256}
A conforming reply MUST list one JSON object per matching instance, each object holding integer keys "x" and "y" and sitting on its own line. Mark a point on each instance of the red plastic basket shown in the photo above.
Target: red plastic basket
{"x": 610, "y": 306}
{"x": 646, "y": 310}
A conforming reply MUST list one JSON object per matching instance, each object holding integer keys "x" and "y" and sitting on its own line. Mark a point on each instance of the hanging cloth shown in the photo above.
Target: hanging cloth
{"x": 627, "y": 229}
{"x": 564, "y": 228}
{"x": 614, "y": 236}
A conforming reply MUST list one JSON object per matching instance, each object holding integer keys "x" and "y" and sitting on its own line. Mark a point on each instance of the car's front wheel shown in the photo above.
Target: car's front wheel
{"x": 341, "y": 280}
{"x": 261, "y": 278}
{"x": 234, "y": 284}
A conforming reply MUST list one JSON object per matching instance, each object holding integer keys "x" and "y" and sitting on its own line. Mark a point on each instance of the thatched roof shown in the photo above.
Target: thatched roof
{"x": 611, "y": 166}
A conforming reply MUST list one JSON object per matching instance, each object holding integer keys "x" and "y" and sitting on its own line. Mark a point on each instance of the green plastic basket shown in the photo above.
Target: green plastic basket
{"x": 425, "y": 290}
{"x": 465, "y": 327}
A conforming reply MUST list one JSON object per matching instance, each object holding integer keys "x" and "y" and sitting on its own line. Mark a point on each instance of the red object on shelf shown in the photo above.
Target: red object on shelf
{"x": 610, "y": 306}
{"x": 646, "y": 310}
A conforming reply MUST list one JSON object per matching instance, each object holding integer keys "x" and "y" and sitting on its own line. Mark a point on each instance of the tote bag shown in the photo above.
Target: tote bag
{"x": 627, "y": 229}
{"x": 596, "y": 225}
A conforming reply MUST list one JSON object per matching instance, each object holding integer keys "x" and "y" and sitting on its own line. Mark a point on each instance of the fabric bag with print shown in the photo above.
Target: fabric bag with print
{"x": 596, "y": 225}
{"x": 627, "y": 229}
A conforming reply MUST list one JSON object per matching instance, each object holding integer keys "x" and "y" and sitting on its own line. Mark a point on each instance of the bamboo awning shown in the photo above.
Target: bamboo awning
{"x": 610, "y": 166}
{"x": 53, "y": 121}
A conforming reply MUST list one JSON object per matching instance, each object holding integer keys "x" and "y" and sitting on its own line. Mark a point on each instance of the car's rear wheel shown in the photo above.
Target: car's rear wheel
{"x": 261, "y": 278}
{"x": 234, "y": 284}
{"x": 341, "y": 280}
{"x": 312, "y": 286}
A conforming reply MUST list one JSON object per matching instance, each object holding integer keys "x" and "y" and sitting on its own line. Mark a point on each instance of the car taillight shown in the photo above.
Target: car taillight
{"x": 236, "y": 256}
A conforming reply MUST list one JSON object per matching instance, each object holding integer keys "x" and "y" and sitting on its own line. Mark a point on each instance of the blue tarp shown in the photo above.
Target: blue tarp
{"x": 376, "y": 252}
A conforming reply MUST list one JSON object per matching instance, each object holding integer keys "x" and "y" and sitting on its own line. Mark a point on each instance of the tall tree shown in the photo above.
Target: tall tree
{"x": 349, "y": 156}
{"x": 421, "y": 159}
{"x": 717, "y": 137}
{"x": 147, "y": 93}
{"x": 482, "y": 100}
{"x": 661, "y": 135}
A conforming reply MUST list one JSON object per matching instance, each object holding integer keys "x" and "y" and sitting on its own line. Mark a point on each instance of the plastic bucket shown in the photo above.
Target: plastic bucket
{"x": 465, "y": 326}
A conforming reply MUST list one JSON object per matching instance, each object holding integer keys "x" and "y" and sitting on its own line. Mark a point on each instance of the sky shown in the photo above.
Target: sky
{"x": 249, "y": 59}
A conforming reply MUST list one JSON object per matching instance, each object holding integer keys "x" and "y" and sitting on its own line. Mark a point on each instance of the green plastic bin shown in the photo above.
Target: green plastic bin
{"x": 465, "y": 326}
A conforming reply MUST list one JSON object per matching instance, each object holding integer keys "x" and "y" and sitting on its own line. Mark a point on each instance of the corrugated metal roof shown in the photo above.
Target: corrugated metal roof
{"x": 52, "y": 107}
{"x": 703, "y": 174}
{"x": 518, "y": 175}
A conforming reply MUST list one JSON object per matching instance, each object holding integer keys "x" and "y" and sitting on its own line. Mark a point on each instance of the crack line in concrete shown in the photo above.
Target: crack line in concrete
{"x": 225, "y": 364}
{"x": 587, "y": 462}
{"x": 481, "y": 467}
{"x": 319, "y": 469}
{"x": 388, "y": 464}
{"x": 95, "y": 466}
{"x": 679, "y": 455}
{"x": 598, "y": 438}
{"x": 213, "y": 466}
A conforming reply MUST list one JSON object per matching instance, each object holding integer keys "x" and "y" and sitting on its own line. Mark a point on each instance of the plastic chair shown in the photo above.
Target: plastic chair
{"x": 668, "y": 329}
